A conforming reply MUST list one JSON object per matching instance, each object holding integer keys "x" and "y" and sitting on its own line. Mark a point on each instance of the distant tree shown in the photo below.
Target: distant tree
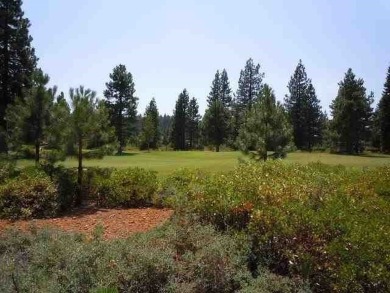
{"x": 384, "y": 116}
{"x": 165, "y": 129}
{"x": 180, "y": 121}
{"x": 17, "y": 58}
{"x": 150, "y": 126}
{"x": 225, "y": 90}
{"x": 216, "y": 118}
{"x": 266, "y": 128}
{"x": 122, "y": 103}
{"x": 28, "y": 119}
{"x": 304, "y": 110}
{"x": 193, "y": 123}
{"x": 215, "y": 124}
{"x": 249, "y": 86}
{"x": 352, "y": 113}
{"x": 89, "y": 118}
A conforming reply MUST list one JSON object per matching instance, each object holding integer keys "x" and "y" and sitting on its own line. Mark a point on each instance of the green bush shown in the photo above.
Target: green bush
{"x": 31, "y": 195}
{"x": 7, "y": 168}
{"x": 318, "y": 222}
{"x": 133, "y": 187}
{"x": 181, "y": 257}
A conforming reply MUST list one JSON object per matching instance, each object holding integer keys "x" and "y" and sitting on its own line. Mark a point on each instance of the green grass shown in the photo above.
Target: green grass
{"x": 166, "y": 162}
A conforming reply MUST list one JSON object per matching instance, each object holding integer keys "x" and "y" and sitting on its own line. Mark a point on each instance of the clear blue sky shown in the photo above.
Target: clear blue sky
{"x": 171, "y": 45}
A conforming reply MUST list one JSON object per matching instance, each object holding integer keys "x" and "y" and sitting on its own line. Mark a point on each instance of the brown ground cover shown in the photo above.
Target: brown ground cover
{"x": 117, "y": 223}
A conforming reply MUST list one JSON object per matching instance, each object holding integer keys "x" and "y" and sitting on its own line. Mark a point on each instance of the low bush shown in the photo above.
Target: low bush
{"x": 7, "y": 168}
{"x": 31, "y": 195}
{"x": 182, "y": 257}
{"x": 133, "y": 187}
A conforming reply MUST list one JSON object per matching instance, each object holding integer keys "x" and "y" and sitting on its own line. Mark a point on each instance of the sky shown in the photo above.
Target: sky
{"x": 169, "y": 45}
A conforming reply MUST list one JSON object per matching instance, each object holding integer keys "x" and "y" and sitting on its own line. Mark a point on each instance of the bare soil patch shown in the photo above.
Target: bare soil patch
{"x": 117, "y": 223}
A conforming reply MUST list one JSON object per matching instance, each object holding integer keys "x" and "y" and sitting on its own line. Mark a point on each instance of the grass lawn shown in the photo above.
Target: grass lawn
{"x": 165, "y": 162}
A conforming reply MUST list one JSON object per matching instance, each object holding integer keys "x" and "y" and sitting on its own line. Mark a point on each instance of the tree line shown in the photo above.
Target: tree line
{"x": 251, "y": 119}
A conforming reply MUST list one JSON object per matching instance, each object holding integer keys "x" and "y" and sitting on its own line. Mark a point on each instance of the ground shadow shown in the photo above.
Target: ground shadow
{"x": 126, "y": 154}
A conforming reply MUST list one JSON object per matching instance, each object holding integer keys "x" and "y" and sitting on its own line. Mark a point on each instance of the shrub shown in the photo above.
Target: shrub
{"x": 7, "y": 168}
{"x": 322, "y": 223}
{"x": 31, "y": 195}
{"x": 133, "y": 187}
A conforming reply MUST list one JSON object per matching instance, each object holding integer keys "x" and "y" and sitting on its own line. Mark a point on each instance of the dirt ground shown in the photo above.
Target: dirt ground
{"x": 117, "y": 223}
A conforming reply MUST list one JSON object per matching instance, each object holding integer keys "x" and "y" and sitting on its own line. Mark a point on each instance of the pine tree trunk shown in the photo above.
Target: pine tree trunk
{"x": 79, "y": 174}
{"x": 37, "y": 152}
{"x": 217, "y": 148}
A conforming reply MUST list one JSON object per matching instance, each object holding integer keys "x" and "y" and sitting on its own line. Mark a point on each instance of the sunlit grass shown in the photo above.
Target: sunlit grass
{"x": 166, "y": 162}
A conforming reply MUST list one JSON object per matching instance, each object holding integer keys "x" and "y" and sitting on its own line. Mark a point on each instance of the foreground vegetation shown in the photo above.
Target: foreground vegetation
{"x": 270, "y": 227}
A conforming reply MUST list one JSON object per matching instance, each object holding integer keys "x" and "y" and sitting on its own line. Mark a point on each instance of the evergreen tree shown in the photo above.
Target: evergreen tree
{"x": 249, "y": 86}
{"x": 28, "y": 118}
{"x": 215, "y": 124}
{"x": 17, "y": 58}
{"x": 216, "y": 119}
{"x": 225, "y": 90}
{"x": 58, "y": 129}
{"x": 89, "y": 118}
{"x": 150, "y": 126}
{"x": 215, "y": 93}
{"x": 266, "y": 128}
{"x": 122, "y": 103}
{"x": 352, "y": 113}
{"x": 193, "y": 123}
{"x": 165, "y": 129}
{"x": 384, "y": 116}
{"x": 180, "y": 122}
{"x": 304, "y": 110}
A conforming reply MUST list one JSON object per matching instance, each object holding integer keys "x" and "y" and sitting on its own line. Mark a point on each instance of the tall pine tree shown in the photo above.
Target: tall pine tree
{"x": 249, "y": 86}
{"x": 352, "y": 113}
{"x": 122, "y": 103}
{"x": 216, "y": 118}
{"x": 193, "y": 123}
{"x": 17, "y": 58}
{"x": 225, "y": 90}
{"x": 180, "y": 122}
{"x": 384, "y": 116}
{"x": 304, "y": 110}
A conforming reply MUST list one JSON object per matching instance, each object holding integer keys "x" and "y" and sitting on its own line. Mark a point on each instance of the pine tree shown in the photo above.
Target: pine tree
{"x": 121, "y": 103}
{"x": 215, "y": 124}
{"x": 249, "y": 86}
{"x": 89, "y": 118}
{"x": 216, "y": 118}
{"x": 225, "y": 90}
{"x": 266, "y": 128}
{"x": 215, "y": 93}
{"x": 150, "y": 126}
{"x": 352, "y": 113}
{"x": 28, "y": 119}
{"x": 17, "y": 58}
{"x": 193, "y": 123}
{"x": 304, "y": 110}
{"x": 180, "y": 122}
{"x": 384, "y": 116}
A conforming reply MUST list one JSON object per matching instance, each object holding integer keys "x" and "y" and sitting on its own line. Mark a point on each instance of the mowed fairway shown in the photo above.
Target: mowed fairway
{"x": 165, "y": 162}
